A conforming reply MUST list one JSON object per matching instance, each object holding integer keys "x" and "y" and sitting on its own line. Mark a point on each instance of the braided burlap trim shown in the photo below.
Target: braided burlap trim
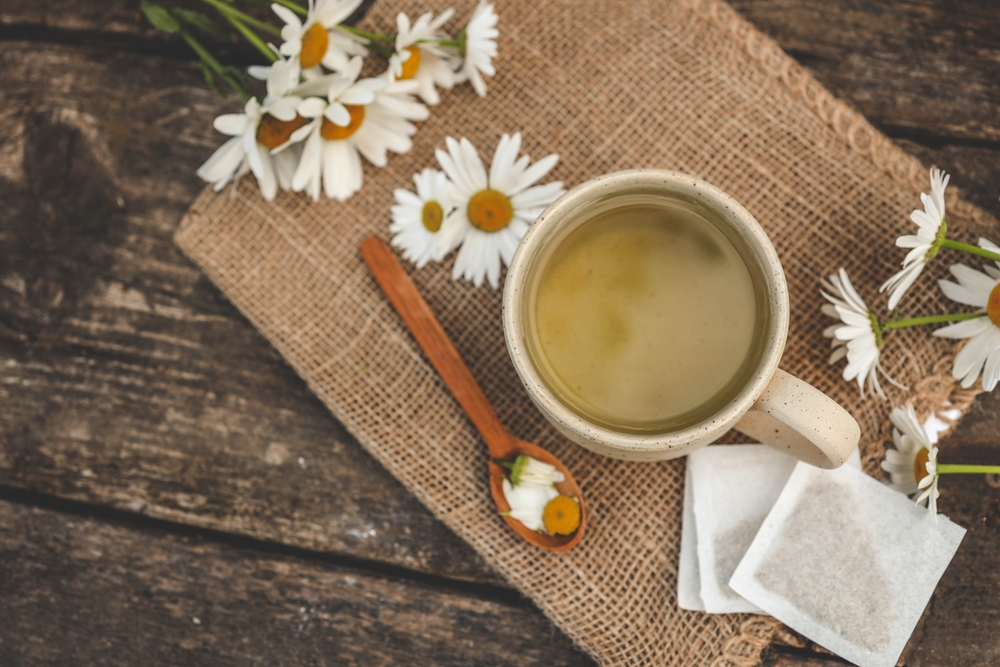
{"x": 932, "y": 394}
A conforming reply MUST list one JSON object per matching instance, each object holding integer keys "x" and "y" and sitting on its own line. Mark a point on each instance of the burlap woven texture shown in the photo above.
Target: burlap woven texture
{"x": 607, "y": 86}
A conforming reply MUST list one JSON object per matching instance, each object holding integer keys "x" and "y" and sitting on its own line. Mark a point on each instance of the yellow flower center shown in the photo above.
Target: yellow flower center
{"x": 314, "y": 45}
{"x": 273, "y": 132}
{"x": 490, "y": 210}
{"x": 411, "y": 66}
{"x": 432, "y": 216}
{"x": 993, "y": 305}
{"x": 561, "y": 516}
{"x": 920, "y": 464}
{"x": 333, "y": 132}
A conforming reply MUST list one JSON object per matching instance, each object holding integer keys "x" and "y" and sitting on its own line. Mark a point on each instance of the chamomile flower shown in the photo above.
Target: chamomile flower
{"x": 492, "y": 211}
{"x": 982, "y": 353}
{"x": 417, "y": 218}
{"x": 319, "y": 40}
{"x": 858, "y": 336}
{"x": 527, "y": 502}
{"x": 925, "y": 244}
{"x": 419, "y": 57}
{"x": 480, "y": 47}
{"x": 255, "y": 132}
{"x": 912, "y": 465}
{"x": 354, "y": 118}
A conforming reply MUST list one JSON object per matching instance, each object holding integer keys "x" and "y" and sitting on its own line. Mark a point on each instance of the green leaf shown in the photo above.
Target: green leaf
{"x": 160, "y": 17}
{"x": 200, "y": 21}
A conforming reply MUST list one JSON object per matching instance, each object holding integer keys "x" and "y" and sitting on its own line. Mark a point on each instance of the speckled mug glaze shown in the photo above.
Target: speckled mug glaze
{"x": 773, "y": 406}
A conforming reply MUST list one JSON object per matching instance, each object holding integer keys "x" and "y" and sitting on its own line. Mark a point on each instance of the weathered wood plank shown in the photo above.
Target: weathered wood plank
{"x": 913, "y": 67}
{"x": 80, "y": 591}
{"x": 126, "y": 379}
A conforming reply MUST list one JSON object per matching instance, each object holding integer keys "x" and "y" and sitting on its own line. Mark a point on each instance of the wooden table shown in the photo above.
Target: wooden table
{"x": 170, "y": 491}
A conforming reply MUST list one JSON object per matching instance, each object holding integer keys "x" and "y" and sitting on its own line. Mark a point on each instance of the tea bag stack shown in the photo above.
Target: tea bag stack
{"x": 837, "y": 556}
{"x": 728, "y": 491}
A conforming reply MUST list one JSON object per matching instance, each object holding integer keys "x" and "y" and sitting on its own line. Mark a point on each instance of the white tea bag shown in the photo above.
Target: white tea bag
{"x": 848, "y": 562}
{"x": 734, "y": 487}
{"x": 740, "y": 484}
{"x": 688, "y": 578}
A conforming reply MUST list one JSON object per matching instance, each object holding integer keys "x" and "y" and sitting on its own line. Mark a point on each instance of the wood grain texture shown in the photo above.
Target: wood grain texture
{"x": 913, "y": 67}
{"x": 126, "y": 379}
{"x": 80, "y": 591}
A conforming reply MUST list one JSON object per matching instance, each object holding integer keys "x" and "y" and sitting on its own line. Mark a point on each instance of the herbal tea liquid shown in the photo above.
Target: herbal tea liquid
{"x": 645, "y": 317}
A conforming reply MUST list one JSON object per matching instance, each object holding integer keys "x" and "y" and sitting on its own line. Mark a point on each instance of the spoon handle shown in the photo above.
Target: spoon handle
{"x": 431, "y": 337}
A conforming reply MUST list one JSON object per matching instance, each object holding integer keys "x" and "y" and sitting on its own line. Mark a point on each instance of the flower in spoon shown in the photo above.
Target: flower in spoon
{"x": 431, "y": 337}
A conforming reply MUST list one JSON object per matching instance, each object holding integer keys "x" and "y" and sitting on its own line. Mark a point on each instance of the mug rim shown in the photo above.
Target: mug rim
{"x": 599, "y": 438}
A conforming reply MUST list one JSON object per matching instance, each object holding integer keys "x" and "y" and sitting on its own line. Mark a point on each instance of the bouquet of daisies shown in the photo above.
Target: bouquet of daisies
{"x": 319, "y": 118}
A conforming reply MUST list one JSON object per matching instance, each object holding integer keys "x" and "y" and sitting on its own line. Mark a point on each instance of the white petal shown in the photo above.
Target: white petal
{"x": 964, "y": 294}
{"x": 341, "y": 170}
{"x": 232, "y": 124}
{"x": 287, "y": 15}
{"x": 965, "y": 328}
{"x": 534, "y": 172}
{"x": 267, "y": 180}
{"x": 502, "y": 174}
{"x": 973, "y": 279}
{"x": 970, "y": 359}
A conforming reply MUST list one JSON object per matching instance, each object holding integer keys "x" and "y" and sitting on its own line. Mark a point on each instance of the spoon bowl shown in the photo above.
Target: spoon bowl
{"x": 431, "y": 337}
{"x": 567, "y": 487}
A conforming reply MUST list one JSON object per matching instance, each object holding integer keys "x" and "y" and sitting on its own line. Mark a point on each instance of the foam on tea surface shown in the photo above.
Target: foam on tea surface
{"x": 643, "y": 314}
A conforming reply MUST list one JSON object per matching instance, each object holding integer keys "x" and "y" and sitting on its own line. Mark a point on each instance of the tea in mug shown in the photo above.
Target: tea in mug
{"x": 645, "y": 316}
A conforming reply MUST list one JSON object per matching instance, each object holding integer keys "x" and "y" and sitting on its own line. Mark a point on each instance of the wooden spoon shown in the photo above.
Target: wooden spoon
{"x": 439, "y": 349}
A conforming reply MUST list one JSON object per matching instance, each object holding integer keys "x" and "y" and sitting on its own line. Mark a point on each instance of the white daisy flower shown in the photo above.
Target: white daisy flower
{"x": 319, "y": 40}
{"x": 858, "y": 337}
{"x": 982, "y": 353}
{"x": 419, "y": 57}
{"x": 527, "y": 502}
{"x": 931, "y": 229}
{"x": 912, "y": 466}
{"x": 255, "y": 132}
{"x": 367, "y": 117}
{"x": 480, "y": 47}
{"x": 492, "y": 211}
{"x": 417, "y": 218}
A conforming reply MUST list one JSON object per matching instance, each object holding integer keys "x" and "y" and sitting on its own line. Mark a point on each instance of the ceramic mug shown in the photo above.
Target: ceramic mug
{"x": 772, "y": 406}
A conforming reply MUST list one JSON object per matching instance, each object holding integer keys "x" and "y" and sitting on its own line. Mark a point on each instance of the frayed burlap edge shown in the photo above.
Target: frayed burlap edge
{"x": 934, "y": 393}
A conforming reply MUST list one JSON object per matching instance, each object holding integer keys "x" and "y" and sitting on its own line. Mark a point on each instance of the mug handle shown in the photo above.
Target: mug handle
{"x": 797, "y": 418}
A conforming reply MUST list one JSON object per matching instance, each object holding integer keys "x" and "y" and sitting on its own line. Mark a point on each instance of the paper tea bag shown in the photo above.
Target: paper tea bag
{"x": 740, "y": 484}
{"x": 734, "y": 487}
{"x": 847, "y": 562}
{"x": 688, "y": 578}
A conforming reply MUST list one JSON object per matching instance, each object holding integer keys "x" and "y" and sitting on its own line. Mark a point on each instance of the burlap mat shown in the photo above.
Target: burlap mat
{"x": 608, "y": 86}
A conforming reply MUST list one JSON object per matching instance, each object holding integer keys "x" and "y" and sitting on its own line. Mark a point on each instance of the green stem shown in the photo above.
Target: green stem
{"x": 442, "y": 42}
{"x": 210, "y": 60}
{"x": 228, "y": 10}
{"x": 251, "y": 37}
{"x": 962, "y": 469}
{"x": 367, "y": 35}
{"x": 295, "y": 7}
{"x": 381, "y": 50}
{"x": 971, "y": 249}
{"x": 930, "y": 319}
{"x": 509, "y": 465}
